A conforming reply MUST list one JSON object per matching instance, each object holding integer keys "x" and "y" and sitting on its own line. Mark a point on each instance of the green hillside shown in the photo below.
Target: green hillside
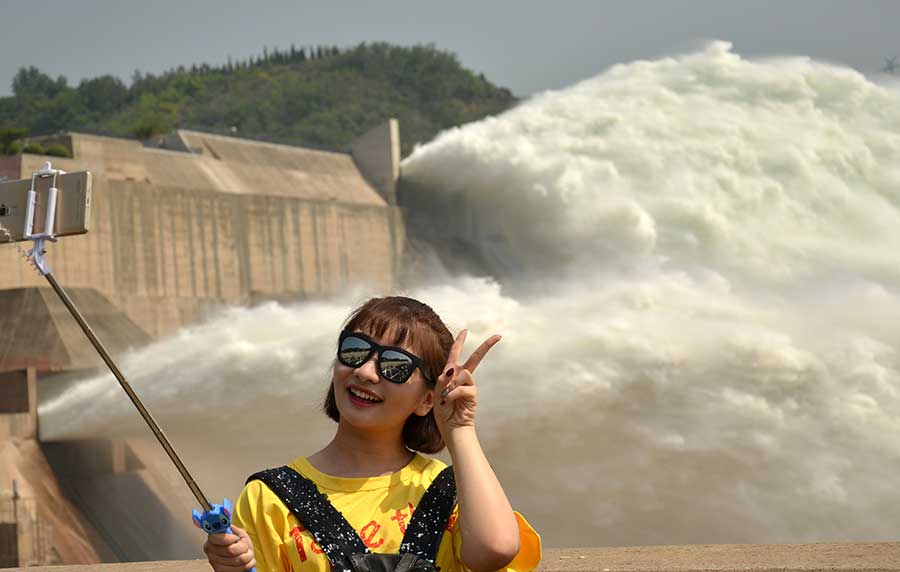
{"x": 323, "y": 97}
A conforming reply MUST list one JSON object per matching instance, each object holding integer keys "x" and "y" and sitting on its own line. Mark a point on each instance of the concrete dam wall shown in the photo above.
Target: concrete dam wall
{"x": 178, "y": 230}
{"x": 174, "y": 233}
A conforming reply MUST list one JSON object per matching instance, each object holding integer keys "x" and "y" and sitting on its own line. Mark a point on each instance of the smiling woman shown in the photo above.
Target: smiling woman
{"x": 369, "y": 500}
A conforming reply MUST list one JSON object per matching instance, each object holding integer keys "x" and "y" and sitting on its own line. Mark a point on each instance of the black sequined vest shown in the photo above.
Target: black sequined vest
{"x": 343, "y": 546}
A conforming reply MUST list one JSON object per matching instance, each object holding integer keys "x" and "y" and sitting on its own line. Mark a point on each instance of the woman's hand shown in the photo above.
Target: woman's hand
{"x": 489, "y": 528}
{"x": 455, "y": 394}
{"x": 230, "y": 552}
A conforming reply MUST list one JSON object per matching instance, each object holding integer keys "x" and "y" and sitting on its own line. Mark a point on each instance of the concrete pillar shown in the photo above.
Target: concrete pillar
{"x": 18, "y": 404}
{"x": 9, "y": 545}
{"x": 31, "y": 423}
{"x": 89, "y": 458}
{"x": 10, "y": 167}
{"x": 377, "y": 156}
{"x": 118, "y": 456}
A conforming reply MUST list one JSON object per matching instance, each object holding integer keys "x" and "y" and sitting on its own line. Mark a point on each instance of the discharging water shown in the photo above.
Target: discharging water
{"x": 695, "y": 266}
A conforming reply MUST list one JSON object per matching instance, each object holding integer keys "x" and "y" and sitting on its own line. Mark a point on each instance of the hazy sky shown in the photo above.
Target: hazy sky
{"x": 526, "y": 45}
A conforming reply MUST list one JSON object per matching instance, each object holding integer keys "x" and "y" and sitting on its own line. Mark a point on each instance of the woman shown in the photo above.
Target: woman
{"x": 398, "y": 388}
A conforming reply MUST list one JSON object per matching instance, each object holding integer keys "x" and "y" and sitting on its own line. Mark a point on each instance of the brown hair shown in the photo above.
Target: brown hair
{"x": 411, "y": 320}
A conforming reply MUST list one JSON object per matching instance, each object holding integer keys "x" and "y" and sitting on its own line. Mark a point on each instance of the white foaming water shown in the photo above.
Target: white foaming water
{"x": 776, "y": 170}
{"x": 714, "y": 361}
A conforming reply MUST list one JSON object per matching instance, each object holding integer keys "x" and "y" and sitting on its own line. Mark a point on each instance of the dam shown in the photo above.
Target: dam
{"x": 177, "y": 231}
{"x": 693, "y": 265}
{"x": 77, "y": 503}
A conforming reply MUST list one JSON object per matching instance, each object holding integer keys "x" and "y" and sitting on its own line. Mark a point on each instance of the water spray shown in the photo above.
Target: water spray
{"x": 215, "y": 518}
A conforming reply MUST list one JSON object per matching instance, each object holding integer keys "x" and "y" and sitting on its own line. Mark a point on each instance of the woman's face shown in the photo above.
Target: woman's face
{"x": 393, "y": 403}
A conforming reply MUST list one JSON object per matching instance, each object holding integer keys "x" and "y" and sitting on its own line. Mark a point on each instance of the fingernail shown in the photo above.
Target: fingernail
{"x": 449, "y": 372}
{"x": 443, "y": 401}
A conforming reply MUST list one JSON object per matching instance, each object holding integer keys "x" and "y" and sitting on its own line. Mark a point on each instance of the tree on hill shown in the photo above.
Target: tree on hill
{"x": 103, "y": 96}
{"x": 31, "y": 83}
{"x": 9, "y": 136}
{"x": 322, "y": 96}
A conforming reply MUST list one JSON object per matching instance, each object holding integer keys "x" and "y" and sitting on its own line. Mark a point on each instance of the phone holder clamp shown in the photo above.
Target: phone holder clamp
{"x": 37, "y": 252}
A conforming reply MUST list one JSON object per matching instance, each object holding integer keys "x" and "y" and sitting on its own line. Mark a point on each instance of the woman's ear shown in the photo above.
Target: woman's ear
{"x": 426, "y": 404}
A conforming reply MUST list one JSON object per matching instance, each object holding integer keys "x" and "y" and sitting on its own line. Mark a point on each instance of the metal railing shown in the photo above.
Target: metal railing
{"x": 24, "y": 536}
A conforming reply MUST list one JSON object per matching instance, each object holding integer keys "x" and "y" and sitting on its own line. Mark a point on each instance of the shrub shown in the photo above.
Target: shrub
{"x": 34, "y": 148}
{"x": 56, "y": 150}
{"x": 10, "y": 134}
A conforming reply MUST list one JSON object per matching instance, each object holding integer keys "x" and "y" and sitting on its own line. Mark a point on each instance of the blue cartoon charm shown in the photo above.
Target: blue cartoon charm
{"x": 215, "y": 521}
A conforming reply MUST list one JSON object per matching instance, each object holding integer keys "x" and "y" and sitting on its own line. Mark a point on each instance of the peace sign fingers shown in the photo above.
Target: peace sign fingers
{"x": 456, "y": 349}
{"x": 455, "y": 392}
{"x": 479, "y": 354}
{"x": 451, "y": 368}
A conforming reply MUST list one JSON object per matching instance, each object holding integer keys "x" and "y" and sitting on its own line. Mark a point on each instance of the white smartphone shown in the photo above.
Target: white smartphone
{"x": 73, "y": 205}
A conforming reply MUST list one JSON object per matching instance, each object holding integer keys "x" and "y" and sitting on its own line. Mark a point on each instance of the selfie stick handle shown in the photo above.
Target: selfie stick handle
{"x": 127, "y": 387}
{"x": 36, "y": 254}
{"x": 215, "y": 518}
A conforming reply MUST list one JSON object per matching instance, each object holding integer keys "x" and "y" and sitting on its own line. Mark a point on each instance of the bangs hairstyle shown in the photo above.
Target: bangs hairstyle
{"x": 412, "y": 322}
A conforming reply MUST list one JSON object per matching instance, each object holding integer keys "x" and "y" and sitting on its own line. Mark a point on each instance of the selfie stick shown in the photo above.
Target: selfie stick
{"x": 215, "y": 518}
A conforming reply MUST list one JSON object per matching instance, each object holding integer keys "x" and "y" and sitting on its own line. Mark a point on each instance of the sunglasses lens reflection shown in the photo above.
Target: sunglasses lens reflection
{"x": 354, "y": 351}
{"x": 395, "y": 366}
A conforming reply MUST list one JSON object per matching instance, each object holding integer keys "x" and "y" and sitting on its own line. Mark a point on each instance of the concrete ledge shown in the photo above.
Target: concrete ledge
{"x": 861, "y": 556}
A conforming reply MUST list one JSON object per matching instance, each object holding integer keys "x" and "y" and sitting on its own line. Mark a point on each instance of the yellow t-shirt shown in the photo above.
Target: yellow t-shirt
{"x": 377, "y": 507}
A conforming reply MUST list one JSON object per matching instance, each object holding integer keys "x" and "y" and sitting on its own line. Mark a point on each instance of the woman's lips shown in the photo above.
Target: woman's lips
{"x": 360, "y": 402}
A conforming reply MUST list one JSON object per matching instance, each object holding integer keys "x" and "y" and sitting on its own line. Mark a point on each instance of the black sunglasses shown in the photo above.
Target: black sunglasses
{"x": 394, "y": 364}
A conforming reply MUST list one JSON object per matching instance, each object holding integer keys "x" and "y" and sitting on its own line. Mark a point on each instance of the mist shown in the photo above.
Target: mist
{"x": 693, "y": 264}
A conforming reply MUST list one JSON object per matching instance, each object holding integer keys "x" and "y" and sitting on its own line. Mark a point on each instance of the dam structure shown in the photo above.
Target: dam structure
{"x": 178, "y": 229}
{"x": 198, "y": 222}
{"x": 220, "y": 220}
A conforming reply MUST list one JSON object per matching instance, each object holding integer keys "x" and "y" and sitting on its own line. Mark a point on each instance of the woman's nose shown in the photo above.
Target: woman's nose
{"x": 369, "y": 370}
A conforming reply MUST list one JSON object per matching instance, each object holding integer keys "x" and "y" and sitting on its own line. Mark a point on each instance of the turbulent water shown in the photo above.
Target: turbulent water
{"x": 697, "y": 262}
